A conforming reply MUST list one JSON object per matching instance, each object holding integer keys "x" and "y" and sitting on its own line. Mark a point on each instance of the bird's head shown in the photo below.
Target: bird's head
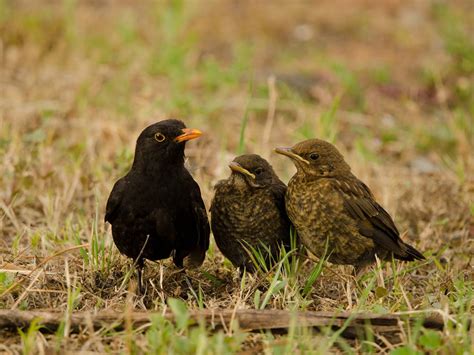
{"x": 164, "y": 141}
{"x": 251, "y": 170}
{"x": 315, "y": 157}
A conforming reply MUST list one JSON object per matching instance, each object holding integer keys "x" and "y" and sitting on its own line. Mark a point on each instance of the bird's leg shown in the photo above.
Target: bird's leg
{"x": 140, "y": 264}
{"x": 245, "y": 269}
{"x": 178, "y": 257}
{"x": 187, "y": 280}
{"x": 197, "y": 295}
{"x": 357, "y": 272}
{"x": 188, "y": 283}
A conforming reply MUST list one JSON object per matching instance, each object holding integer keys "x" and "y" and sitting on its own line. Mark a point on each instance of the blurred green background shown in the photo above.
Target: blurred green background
{"x": 391, "y": 83}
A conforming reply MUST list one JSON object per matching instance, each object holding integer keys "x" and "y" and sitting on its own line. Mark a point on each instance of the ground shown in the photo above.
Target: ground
{"x": 390, "y": 83}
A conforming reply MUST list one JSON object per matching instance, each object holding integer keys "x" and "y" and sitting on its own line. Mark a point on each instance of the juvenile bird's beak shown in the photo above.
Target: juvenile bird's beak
{"x": 289, "y": 153}
{"x": 188, "y": 134}
{"x": 239, "y": 169}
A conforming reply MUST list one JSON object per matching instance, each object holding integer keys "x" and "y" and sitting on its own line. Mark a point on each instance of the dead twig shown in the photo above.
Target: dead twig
{"x": 353, "y": 325}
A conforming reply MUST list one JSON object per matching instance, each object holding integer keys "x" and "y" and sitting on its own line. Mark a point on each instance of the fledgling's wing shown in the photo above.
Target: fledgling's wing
{"x": 278, "y": 189}
{"x": 115, "y": 198}
{"x": 373, "y": 221}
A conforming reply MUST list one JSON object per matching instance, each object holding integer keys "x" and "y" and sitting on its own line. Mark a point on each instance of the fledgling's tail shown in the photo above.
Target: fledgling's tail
{"x": 410, "y": 253}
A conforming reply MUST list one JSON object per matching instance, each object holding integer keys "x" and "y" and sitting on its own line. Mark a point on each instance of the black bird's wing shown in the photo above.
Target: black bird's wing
{"x": 200, "y": 223}
{"x": 114, "y": 200}
{"x": 373, "y": 221}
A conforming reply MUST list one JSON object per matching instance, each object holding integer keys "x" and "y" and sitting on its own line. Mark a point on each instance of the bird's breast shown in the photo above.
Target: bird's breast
{"x": 313, "y": 207}
{"x": 148, "y": 194}
{"x": 317, "y": 211}
{"x": 246, "y": 216}
{"x": 314, "y": 198}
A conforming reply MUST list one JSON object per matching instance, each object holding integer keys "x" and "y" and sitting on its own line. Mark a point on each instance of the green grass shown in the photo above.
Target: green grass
{"x": 80, "y": 81}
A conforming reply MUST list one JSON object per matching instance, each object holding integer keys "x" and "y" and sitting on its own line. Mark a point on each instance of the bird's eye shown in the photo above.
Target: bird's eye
{"x": 159, "y": 137}
{"x": 314, "y": 156}
{"x": 258, "y": 171}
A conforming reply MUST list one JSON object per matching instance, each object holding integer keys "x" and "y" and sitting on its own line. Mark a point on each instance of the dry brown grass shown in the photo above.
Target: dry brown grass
{"x": 80, "y": 80}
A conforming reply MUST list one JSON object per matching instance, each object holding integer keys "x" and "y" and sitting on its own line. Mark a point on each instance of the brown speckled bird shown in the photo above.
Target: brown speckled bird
{"x": 328, "y": 205}
{"x": 248, "y": 209}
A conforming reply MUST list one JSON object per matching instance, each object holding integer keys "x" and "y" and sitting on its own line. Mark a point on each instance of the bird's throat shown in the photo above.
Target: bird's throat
{"x": 151, "y": 166}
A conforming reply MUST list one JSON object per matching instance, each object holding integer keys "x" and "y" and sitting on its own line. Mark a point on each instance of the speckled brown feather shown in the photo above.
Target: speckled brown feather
{"x": 320, "y": 218}
{"x": 329, "y": 206}
{"x": 244, "y": 215}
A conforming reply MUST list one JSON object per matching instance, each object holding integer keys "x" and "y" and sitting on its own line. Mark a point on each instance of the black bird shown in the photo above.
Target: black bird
{"x": 330, "y": 206}
{"x": 248, "y": 210}
{"x": 156, "y": 210}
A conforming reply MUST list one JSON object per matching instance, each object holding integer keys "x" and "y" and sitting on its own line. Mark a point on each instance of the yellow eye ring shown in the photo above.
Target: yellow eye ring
{"x": 159, "y": 137}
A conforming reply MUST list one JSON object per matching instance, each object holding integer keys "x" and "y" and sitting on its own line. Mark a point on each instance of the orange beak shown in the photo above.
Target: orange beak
{"x": 188, "y": 134}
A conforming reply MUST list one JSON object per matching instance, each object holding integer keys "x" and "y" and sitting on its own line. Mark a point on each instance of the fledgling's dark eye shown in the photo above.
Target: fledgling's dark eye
{"x": 314, "y": 156}
{"x": 159, "y": 137}
{"x": 258, "y": 171}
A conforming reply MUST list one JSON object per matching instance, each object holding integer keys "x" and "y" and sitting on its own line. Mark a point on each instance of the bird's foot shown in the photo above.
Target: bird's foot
{"x": 141, "y": 286}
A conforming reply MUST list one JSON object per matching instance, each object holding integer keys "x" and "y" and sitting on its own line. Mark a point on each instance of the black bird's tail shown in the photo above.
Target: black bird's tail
{"x": 410, "y": 253}
{"x": 194, "y": 259}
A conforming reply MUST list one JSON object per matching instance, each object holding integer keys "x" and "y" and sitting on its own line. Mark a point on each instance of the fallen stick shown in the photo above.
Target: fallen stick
{"x": 248, "y": 319}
